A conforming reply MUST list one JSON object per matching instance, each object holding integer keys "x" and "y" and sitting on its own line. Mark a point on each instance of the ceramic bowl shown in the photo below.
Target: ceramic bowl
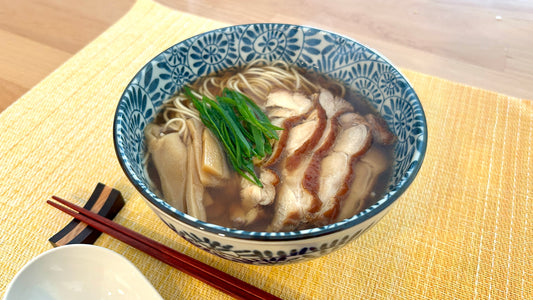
{"x": 80, "y": 272}
{"x": 358, "y": 66}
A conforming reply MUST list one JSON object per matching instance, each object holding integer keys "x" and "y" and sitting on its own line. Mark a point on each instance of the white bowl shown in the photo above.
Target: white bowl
{"x": 80, "y": 272}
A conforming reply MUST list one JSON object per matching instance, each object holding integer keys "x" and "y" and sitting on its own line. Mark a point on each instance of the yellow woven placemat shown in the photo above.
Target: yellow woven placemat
{"x": 462, "y": 230}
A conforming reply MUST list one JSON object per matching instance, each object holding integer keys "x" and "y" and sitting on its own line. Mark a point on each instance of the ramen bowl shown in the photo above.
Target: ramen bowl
{"x": 342, "y": 58}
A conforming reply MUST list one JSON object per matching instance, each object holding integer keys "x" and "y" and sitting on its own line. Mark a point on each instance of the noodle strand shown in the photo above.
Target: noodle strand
{"x": 255, "y": 79}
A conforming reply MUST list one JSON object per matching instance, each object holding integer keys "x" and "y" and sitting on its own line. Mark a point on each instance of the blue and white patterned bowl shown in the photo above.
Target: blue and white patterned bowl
{"x": 340, "y": 57}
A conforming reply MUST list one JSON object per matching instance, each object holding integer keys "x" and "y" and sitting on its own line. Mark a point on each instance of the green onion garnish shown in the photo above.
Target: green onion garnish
{"x": 240, "y": 126}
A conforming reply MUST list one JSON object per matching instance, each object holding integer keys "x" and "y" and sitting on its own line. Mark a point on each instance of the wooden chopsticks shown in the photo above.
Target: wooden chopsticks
{"x": 212, "y": 276}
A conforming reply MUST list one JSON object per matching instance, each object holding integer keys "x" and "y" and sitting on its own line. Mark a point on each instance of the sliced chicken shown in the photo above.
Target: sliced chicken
{"x": 254, "y": 199}
{"x": 241, "y": 218}
{"x": 301, "y": 135}
{"x": 366, "y": 173}
{"x": 294, "y": 203}
{"x": 285, "y": 110}
{"x": 336, "y": 168}
{"x": 169, "y": 155}
{"x": 284, "y": 104}
{"x": 253, "y": 195}
{"x": 320, "y": 157}
{"x": 298, "y": 199}
{"x": 333, "y": 107}
{"x": 304, "y": 137}
{"x": 380, "y": 130}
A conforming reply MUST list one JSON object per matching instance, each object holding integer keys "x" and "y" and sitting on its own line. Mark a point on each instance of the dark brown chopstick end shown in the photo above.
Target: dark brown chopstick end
{"x": 105, "y": 201}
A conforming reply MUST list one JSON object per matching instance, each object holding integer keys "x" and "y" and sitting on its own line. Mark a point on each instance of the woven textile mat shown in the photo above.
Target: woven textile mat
{"x": 462, "y": 230}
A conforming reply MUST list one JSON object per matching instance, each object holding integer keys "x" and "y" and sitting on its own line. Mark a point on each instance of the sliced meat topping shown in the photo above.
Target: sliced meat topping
{"x": 304, "y": 137}
{"x": 318, "y": 151}
{"x": 253, "y": 195}
{"x": 284, "y": 104}
{"x": 296, "y": 201}
{"x": 380, "y": 130}
{"x": 336, "y": 170}
{"x": 366, "y": 172}
{"x": 333, "y": 105}
{"x": 297, "y": 205}
{"x": 242, "y": 218}
{"x": 254, "y": 199}
{"x": 286, "y": 110}
{"x": 293, "y": 202}
{"x": 333, "y": 108}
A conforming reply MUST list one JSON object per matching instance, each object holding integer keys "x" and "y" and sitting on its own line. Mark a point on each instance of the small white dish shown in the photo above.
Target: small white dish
{"x": 80, "y": 272}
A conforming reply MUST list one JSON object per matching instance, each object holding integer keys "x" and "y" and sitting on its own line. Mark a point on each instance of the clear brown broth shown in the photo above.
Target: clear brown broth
{"x": 228, "y": 195}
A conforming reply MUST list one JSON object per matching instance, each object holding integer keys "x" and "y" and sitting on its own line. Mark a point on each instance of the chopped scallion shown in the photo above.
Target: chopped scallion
{"x": 241, "y": 127}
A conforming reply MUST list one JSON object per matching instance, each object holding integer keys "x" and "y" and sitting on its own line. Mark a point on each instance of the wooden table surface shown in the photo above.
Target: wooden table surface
{"x": 488, "y": 44}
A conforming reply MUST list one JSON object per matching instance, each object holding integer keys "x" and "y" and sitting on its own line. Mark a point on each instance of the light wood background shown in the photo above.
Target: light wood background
{"x": 488, "y": 44}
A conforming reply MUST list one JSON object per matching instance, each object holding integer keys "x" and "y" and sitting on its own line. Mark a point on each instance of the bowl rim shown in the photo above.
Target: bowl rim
{"x": 381, "y": 205}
